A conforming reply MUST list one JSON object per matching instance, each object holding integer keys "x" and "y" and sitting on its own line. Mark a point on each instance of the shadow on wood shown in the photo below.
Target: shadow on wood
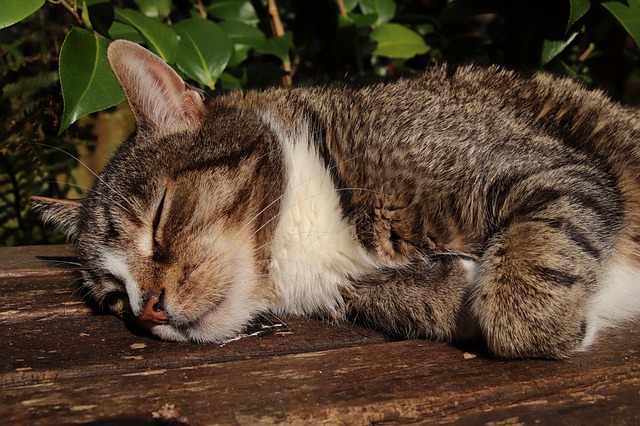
{"x": 64, "y": 364}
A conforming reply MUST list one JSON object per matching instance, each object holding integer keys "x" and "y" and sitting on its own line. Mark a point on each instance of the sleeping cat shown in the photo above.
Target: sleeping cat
{"x": 464, "y": 202}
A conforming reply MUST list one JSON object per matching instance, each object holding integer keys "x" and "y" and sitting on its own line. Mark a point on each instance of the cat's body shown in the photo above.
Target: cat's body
{"x": 459, "y": 202}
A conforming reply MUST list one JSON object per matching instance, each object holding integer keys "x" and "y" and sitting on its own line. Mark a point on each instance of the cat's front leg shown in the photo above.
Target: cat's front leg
{"x": 532, "y": 288}
{"x": 424, "y": 299}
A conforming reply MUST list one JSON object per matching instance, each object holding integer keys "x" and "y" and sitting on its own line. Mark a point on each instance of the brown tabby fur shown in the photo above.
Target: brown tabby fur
{"x": 534, "y": 181}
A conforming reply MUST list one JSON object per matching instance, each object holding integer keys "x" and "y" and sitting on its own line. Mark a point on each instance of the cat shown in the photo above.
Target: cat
{"x": 463, "y": 203}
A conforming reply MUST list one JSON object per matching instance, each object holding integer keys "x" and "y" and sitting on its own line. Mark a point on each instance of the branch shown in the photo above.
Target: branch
{"x": 71, "y": 11}
{"x": 278, "y": 31}
{"x": 343, "y": 10}
{"x": 203, "y": 13}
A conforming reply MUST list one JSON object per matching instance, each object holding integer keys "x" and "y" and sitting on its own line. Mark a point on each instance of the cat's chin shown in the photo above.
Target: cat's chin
{"x": 168, "y": 332}
{"x": 215, "y": 326}
{"x": 171, "y": 333}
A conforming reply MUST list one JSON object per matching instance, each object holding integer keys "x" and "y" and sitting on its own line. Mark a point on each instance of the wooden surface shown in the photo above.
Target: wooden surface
{"x": 63, "y": 363}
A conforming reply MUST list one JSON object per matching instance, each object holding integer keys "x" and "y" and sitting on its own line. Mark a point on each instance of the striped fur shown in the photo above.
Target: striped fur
{"x": 465, "y": 202}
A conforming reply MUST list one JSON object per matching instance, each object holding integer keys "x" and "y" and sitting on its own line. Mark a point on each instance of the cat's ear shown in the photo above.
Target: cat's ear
{"x": 161, "y": 101}
{"x": 65, "y": 214}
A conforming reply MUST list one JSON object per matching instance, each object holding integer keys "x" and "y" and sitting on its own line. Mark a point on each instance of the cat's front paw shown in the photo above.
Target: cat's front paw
{"x": 511, "y": 337}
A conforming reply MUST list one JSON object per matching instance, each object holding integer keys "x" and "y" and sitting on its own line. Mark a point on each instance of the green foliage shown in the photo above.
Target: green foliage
{"x": 159, "y": 37}
{"x": 397, "y": 41}
{"x": 219, "y": 45}
{"x": 15, "y": 10}
{"x": 627, "y": 13}
{"x": 88, "y": 84}
{"x": 204, "y": 50}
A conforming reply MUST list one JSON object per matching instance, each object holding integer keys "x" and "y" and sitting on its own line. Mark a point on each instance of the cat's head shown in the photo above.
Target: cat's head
{"x": 175, "y": 231}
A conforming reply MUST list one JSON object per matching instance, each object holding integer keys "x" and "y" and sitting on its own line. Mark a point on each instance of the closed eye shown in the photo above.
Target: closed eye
{"x": 114, "y": 284}
{"x": 156, "y": 225}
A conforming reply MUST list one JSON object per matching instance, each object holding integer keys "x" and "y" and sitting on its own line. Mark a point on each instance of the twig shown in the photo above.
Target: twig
{"x": 203, "y": 12}
{"x": 278, "y": 31}
{"x": 587, "y": 52}
{"x": 343, "y": 10}
{"x": 72, "y": 11}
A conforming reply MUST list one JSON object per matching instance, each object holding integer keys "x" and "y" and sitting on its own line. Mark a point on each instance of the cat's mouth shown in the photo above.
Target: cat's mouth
{"x": 208, "y": 327}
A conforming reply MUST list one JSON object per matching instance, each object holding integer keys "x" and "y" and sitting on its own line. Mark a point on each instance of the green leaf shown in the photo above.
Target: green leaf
{"x": 349, "y": 5}
{"x": 397, "y": 41}
{"x": 384, "y": 9}
{"x": 239, "y": 10}
{"x": 88, "y": 84}
{"x": 357, "y": 20}
{"x": 241, "y": 33}
{"x": 552, "y": 48}
{"x": 229, "y": 82}
{"x": 154, "y": 8}
{"x": 204, "y": 50}
{"x": 627, "y": 13}
{"x": 159, "y": 37}
{"x": 16, "y": 10}
{"x": 577, "y": 9}
{"x": 124, "y": 31}
{"x": 364, "y": 21}
{"x": 85, "y": 17}
{"x": 278, "y": 46}
{"x": 244, "y": 38}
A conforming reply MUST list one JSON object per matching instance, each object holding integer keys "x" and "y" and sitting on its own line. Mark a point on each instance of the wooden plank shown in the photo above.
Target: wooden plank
{"x": 29, "y": 261}
{"x": 45, "y": 328}
{"x": 42, "y": 351}
{"x": 61, "y": 362}
{"x": 398, "y": 382}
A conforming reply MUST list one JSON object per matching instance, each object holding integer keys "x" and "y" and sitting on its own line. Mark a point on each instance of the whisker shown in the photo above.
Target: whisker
{"x": 53, "y": 262}
{"x": 306, "y": 181}
{"x": 92, "y": 172}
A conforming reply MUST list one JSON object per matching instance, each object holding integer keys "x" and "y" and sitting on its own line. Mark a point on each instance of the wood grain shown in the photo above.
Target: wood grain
{"x": 62, "y": 362}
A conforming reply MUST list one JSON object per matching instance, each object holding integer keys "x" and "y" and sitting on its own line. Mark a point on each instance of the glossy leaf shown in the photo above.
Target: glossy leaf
{"x": 397, "y": 41}
{"x": 88, "y": 84}
{"x": 364, "y": 21}
{"x": 241, "y": 33}
{"x": 384, "y": 9}
{"x": 239, "y": 10}
{"x": 154, "y": 8}
{"x": 16, "y": 10}
{"x": 159, "y": 37}
{"x": 349, "y": 5}
{"x": 124, "y": 31}
{"x": 279, "y": 46}
{"x": 627, "y": 13}
{"x": 577, "y": 9}
{"x": 552, "y": 48}
{"x": 244, "y": 38}
{"x": 204, "y": 50}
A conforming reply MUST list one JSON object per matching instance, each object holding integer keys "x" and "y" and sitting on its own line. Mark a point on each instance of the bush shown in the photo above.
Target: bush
{"x": 222, "y": 45}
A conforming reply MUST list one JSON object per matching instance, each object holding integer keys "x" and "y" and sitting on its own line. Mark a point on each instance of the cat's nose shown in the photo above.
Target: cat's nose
{"x": 154, "y": 310}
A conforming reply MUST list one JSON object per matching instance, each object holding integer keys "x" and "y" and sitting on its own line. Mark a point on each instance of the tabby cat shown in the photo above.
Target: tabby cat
{"x": 464, "y": 202}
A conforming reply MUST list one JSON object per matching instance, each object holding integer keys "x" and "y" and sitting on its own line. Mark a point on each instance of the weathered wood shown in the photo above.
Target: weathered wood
{"x": 28, "y": 261}
{"x": 62, "y": 363}
{"x": 46, "y": 328}
{"x": 401, "y": 382}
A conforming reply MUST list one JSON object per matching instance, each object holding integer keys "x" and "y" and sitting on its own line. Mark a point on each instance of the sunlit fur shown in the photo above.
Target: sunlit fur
{"x": 463, "y": 203}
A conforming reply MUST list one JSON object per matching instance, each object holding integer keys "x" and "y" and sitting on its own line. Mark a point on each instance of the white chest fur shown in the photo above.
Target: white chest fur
{"x": 314, "y": 249}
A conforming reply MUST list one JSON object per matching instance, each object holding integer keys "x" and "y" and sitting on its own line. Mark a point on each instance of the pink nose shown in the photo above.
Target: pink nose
{"x": 153, "y": 311}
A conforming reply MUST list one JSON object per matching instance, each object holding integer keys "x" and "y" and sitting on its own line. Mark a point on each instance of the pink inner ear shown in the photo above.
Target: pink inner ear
{"x": 161, "y": 101}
